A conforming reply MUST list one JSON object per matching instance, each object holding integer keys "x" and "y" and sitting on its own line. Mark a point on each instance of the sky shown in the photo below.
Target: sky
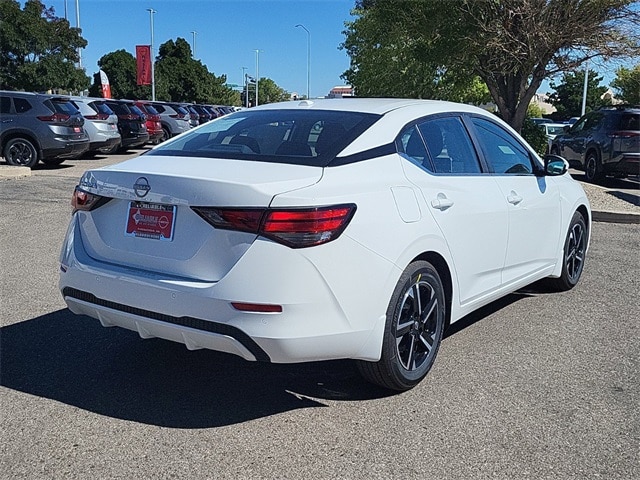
{"x": 228, "y": 34}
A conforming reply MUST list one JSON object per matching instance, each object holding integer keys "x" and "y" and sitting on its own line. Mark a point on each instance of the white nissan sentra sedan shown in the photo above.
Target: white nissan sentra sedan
{"x": 328, "y": 229}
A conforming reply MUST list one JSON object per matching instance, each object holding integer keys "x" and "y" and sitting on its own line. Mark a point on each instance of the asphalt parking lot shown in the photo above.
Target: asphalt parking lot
{"x": 534, "y": 386}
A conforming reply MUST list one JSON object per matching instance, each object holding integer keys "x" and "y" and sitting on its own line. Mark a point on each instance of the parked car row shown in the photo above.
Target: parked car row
{"x": 52, "y": 128}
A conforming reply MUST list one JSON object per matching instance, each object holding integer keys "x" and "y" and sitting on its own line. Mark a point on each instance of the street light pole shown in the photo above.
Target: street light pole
{"x": 193, "y": 45}
{"x": 245, "y": 85}
{"x": 257, "y": 74}
{"x": 78, "y": 27}
{"x": 308, "y": 56}
{"x": 153, "y": 73}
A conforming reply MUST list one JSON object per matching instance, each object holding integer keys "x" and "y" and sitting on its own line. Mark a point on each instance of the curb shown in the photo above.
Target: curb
{"x": 10, "y": 171}
{"x": 615, "y": 217}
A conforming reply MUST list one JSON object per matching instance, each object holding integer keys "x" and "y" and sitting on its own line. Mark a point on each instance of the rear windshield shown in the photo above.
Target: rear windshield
{"x": 120, "y": 108}
{"x": 62, "y": 106}
{"x": 628, "y": 121}
{"x": 303, "y": 137}
{"x": 149, "y": 109}
{"x": 102, "y": 107}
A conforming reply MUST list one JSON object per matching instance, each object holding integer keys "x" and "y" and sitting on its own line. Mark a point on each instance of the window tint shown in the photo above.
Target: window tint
{"x": 62, "y": 106}
{"x": 502, "y": 151}
{"x": 627, "y": 121}
{"x": 306, "y": 137}
{"x": 101, "y": 107}
{"x": 449, "y": 146}
{"x": 412, "y": 146}
{"x": 21, "y": 105}
{"x": 593, "y": 120}
{"x": 5, "y": 105}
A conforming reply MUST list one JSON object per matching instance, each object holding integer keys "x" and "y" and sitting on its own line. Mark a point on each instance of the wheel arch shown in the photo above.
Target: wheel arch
{"x": 442, "y": 267}
{"x": 20, "y": 134}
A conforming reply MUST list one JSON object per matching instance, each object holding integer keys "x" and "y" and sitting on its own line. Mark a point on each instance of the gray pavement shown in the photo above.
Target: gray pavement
{"x": 535, "y": 386}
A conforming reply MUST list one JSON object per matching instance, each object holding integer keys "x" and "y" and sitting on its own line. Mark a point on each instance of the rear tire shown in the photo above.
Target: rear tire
{"x": 593, "y": 168}
{"x": 413, "y": 331}
{"x": 20, "y": 152}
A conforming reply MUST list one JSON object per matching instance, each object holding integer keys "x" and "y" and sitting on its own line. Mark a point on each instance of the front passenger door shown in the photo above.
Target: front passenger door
{"x": 533, "y": 202}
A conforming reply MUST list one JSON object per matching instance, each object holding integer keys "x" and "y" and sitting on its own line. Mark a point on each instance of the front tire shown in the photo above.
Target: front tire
{"x": 20, "y": 152}
{"x": 413, "y": 331}
{"x": 575, "y": 249}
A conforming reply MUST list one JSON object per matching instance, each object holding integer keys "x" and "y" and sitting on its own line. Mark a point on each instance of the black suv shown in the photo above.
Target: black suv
{"x": 132, "y": 124}
{"x": 603, "y": 142}
{"x": 36, "y": 127}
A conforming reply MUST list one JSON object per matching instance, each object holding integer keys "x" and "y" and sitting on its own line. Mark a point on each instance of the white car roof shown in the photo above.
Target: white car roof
{"x": 378, "y": 106}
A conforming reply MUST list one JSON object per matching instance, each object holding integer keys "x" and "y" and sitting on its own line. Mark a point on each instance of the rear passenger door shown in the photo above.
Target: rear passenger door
{"x": 466, "y": 203}
{"x": 533, "y": 201}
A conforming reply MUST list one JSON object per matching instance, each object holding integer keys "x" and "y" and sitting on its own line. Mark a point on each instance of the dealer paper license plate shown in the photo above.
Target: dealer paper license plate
{"x": 151, "y": 220}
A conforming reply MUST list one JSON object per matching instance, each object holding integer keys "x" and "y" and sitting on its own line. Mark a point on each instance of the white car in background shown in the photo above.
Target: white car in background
{"x": 552, "y": 130}
{"x": 326, "y": 229}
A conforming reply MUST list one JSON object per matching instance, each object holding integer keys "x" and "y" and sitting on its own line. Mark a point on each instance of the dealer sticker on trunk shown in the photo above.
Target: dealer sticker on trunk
{"x": 151, "y": 220}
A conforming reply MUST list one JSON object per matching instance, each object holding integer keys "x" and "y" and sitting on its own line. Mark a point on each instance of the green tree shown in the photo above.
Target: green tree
{"x": 120, "y": 67}
{"x": 512, "y": 45}
{"x": 568, "y": 94}
{"x": 38, "y": 49}
{"x": 627, "y": 84}
{"x": 390, "y": 60}
{"x": 270, "y": 92}
{"x": 181, "y": 78}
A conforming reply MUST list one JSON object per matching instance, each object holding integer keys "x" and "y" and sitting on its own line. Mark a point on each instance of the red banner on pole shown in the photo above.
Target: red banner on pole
{"x": 104, "y": 84}
{"x": 143, "y": 64}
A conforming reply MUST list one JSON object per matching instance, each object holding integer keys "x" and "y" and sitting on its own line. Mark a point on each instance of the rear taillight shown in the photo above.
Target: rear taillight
{"x": 98, "y": 116}
{"x": 624, "y": 134}
{"x": 55, "y": 118}
{"x": 83, "y": 200}
{"x": 295, "y": 227}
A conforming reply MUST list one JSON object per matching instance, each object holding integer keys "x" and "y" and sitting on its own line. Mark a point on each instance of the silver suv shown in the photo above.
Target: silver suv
{"x": 174, "y": 119}
{"x": 100, "y": 123}
{"x": 37, "y": 127}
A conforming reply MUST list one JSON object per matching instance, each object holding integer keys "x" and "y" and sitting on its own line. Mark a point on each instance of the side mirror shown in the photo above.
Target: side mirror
{"x": 555, "y": 165}
{"x": 566, "y": 128}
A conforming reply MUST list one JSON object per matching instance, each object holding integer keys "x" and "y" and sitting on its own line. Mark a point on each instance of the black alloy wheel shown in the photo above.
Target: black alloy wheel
{"x": 575, "y": 251}
{"x": 413, "y": 332}
{"x": 20, "y": 152}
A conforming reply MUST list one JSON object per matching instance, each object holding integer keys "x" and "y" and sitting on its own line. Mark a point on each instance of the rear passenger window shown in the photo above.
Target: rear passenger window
{"x": 412, "y": 146}
{"x": 501, "y": 150}
{"x": 5, "y": 105}
{"x": 449, "y": 146}
{"x": 21, "y": 105}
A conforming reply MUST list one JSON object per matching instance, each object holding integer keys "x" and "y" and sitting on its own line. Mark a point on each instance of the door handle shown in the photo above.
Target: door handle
{"x": 441, "y": 202}
{"x": 513, "y": 198}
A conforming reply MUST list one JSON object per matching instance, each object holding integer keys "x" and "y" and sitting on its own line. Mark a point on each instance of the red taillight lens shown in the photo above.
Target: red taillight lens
{"x": 98, "y": 116}
{"x": 257, "y": 307}
{"x": 83, "y": 200}
{"x": 129, "y": 117}
{"x": 624, "y": 134}
{"x": 296, "y": 228}
{"x": 55, "y": 118}
{"x": 244, "y": 220}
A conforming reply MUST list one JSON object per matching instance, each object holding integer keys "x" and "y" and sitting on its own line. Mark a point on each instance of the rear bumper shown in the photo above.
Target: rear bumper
{"x": 135, "y": 140}
{"x": 66, "y": 149}
{"x": 316, "y": 322}
{"x": 627, "y": 163}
